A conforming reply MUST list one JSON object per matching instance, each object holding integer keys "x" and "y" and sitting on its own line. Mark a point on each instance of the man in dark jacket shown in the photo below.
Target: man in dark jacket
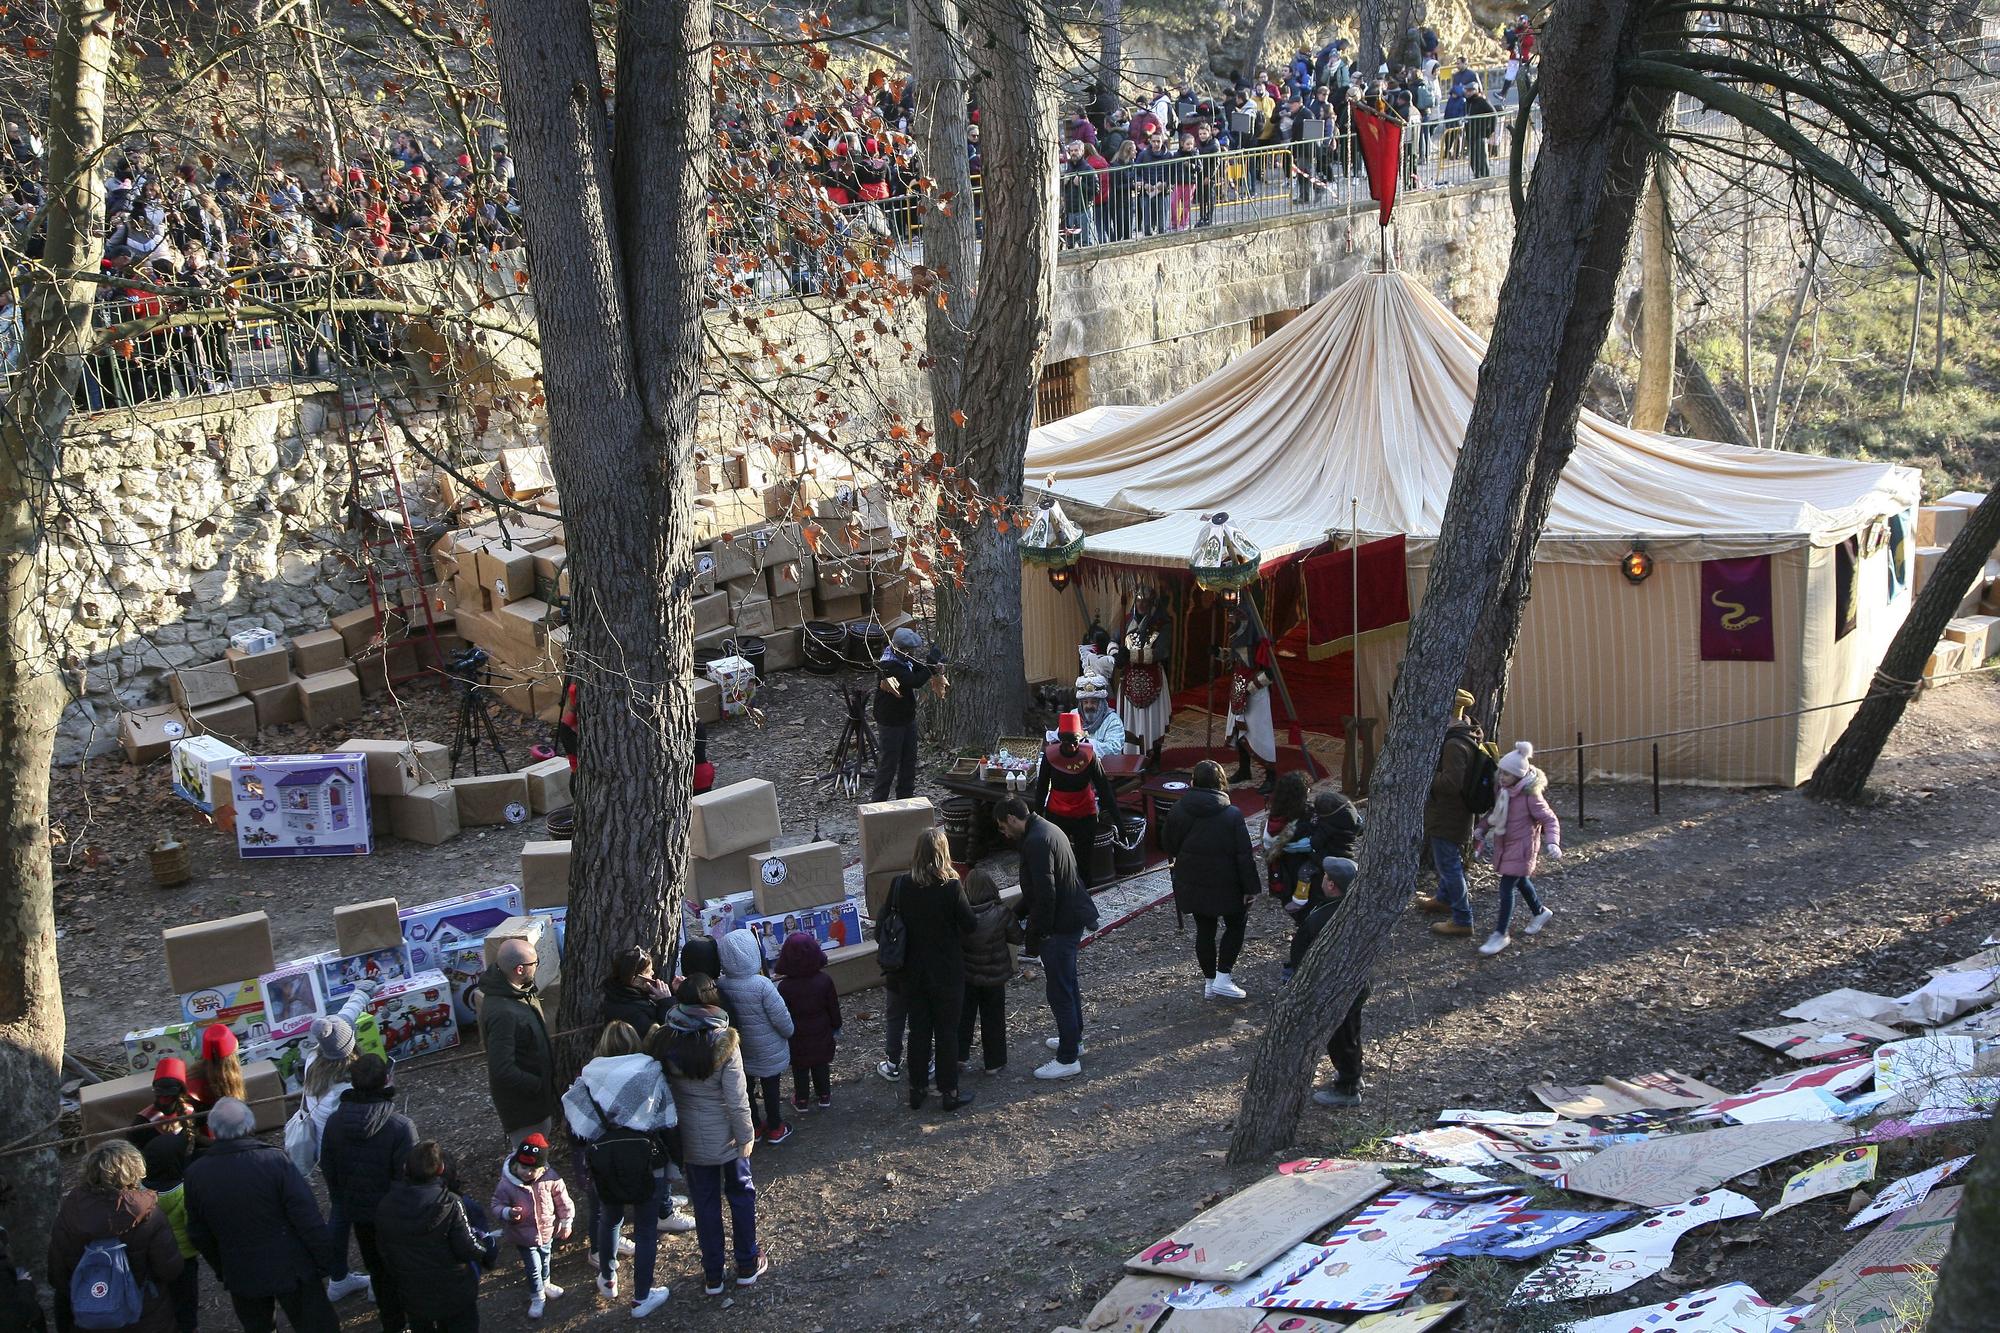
{"x": 1058, "y": 910}
{"x": 520, "y": 1065}
{"x": 252, "y": 1216}
{"x": 1448, "y": 820}
{"x": 429, "y": 1245}
{"x": 361, "y": 1153}
{"x": 1215, "y": 875}
{"x": 906, "y": 667}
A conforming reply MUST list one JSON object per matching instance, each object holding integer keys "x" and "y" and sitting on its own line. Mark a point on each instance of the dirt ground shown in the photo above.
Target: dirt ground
{"x": 1672, "y": 933}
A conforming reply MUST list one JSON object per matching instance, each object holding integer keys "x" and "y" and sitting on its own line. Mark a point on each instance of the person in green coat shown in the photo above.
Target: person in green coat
{"x": 520, "y": 1063}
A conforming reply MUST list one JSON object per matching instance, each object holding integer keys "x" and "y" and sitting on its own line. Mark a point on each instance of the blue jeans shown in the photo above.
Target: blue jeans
{"x": 1508, "y": 885}
{"x": 337, "y": 1231}
{"x": 1065, "y": 994}
{"x": 1449, "y": 858}
{"x": 536, "y": 1260}
{"x": 645, "y": 1238}
{"x": 707, "y": 1186}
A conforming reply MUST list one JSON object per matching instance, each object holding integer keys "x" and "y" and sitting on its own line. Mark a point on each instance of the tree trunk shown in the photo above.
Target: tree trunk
{"x": 979, "y": 616}
{"x": 1774, "y": 401}
{"x": 1910, "y": 355}
{"x": 1844, "y": 772}
{"x": 1552, "y": 241}
{"x": 937, "y": 60}
{"x": 55, "y": 323}
{"x": 620, "y": 251}
{"x": 1968, "y": 1288}
{"x": 1111, "y": 60}
{"x": 1260, "y": 37}
{"x": 1367, "y": 40}
{"x": 1658, "y": 310}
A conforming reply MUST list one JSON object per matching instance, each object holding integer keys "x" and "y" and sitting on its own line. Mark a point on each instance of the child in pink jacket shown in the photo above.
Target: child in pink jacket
{"x": 533, "y": 1209}
{"x": 1509, "y": 834}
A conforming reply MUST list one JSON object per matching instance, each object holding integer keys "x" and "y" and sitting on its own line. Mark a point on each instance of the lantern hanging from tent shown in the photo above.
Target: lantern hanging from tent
{"x": 1224, "y": 559}
{"x": 1054, "y": 541}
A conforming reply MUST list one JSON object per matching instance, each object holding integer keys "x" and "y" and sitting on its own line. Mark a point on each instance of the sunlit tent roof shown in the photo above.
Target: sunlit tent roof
{"x": 1363, "y": 401}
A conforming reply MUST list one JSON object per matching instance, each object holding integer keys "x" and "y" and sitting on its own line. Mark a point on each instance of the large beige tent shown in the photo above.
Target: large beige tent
{"x": 1352, "y": 417}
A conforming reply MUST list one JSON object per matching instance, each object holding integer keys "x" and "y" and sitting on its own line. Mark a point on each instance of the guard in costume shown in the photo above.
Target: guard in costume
{"x": 1144, "y": 654}
{"x": 1073, "y": 791}
{"x": 1250, "y": 680}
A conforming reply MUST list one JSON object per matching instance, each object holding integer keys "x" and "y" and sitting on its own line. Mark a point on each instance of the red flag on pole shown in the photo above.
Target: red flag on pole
{"x": 1381, "y": 139}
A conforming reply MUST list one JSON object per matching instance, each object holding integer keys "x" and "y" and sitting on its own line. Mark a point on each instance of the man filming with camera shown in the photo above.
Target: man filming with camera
{"x": 907, "y": 667}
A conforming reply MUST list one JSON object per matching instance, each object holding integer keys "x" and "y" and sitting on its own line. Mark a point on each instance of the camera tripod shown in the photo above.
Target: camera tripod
{"x": 475, "y": 722}
{"x": 854, "y": 755}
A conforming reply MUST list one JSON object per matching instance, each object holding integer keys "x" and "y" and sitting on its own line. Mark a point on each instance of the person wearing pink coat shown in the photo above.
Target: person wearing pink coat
{"x": 534, "y": 1211}
{"x": 1520, "y": 824}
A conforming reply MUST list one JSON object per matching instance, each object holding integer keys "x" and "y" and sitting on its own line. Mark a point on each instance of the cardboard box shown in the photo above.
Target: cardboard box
{"x": 433, "y": 760}
{"x": 716, "y": 917}
{"x": 146, "y": 1048}
{"x": 234, "y": 720}
{"x": 257, "y": 671}
{"x": 789, "y": 879}
{"x": 321, "y": 650}
{"x": 784, "y": 650}
{"x": 541, "y": 937}
{"x": 1947, "y": 657}
{"x": 722, "y": 877}
{"x": 149, "y": 733}
{"x": 735, "y": 818}
{"x": 715, "y": 641}
{"x": 392, "y": 765}
{"x": 427, "y": 815}
{"x": 202, "y": 684}
{"x": 545, "y": 873}
{"x": 834, "y": 925}
{"x": 301, "y": 805}
{"x": 524, "y": 623}
{"x": 704, "y": 574}
{"x": 707, "y": 700}
{"x": 875, "y": 889}
{"x": 753, "y": 617}
{"x": 330, "y": 698}
{"x": 889, "y": 831}
{"x": 380, "y": 667}
{"x": 366, "y": 927}
{"x": 416, "y": 1015}
{"x": 551, "y": 563}
{"x": 735, "y": 558}
{"x": 356, "y": 630}
{"x": 340, "y": 973}
{"x": 548, "y": 785}
{"x": 197, "y": 760}
{"x": 278, "y": 704}
{"x": 431, "y": 928}
{"x": 1963, "y": 499}
{"x": 108, "y": 1108}
{"x": 1979, "y": 634}
{"x": 509, "y": 572}
{"x": 237, "y": 1005}
{"x": 711, "y": 612}
{"x": 851, "y": 606}
{"x": 495, "y": 799}
{"x": 293, "y": 998}
{"x": 847, "y": 575}
{"x": 463, "y": 964}
{"x": 789, "y": 613}
{"x": 1939, "y": 525}
{"x": 217, "y": 953}
{"x": 854, "y": 968}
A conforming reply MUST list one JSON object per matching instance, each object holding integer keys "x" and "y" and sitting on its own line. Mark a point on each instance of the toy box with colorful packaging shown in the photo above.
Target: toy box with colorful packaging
{"x": 381, "y": 966}
{"x": 145, "y": 1048}
{"x": 718, "y": 916}
{"x": 195, "y": 761}
{"x": 430, "y": 927}
{"x": 737, "y": 681}
{"x": 462, "y": 962}
{"x": 558, "y": 922}
{"x": 835, "y": 926}
{"x": 294, "y": 996}
{"x": 301, "y": 805}
{"x": 238, "y": 1007}
{"x": 415, "y": 1015}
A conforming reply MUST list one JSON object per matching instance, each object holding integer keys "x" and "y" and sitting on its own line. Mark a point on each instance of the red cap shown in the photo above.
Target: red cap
{"x": 217, "y": 1042}
{"x": 532, "y": 1151}
{"x": 1070, "y": 724}
{"x": 173, "y": 1067}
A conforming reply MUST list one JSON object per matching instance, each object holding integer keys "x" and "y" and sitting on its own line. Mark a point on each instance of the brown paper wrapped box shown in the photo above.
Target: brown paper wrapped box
{"x": 753, "y": 617}
{"x": 508, "y": 572}
{"x": 203, "y": 684}
{"x": 278, "y": 705}
{"x": 711, "y": 612}
{"x": 889, "y": 831}
{"x": 148, "y": 733}
{"x": 108, "y": 1108}
{"x": 392, "y": 771}
{"x": 843, "y": 608}
{"x": 545, "y": 873}
{"x": 875, "y": 887}
{"x": 735, "y": 558}
{"x": 485, "y": 801}
{"x": 366, "y": 927}
{"x": 433, "y": 760}
{"x": 707, "y": 700}
{"x": 428, "y": 815}
{"x": 218, "y": 953}
{"x": 378, "y": 668}
{"x": 853, "y": 967}
{"x": 330, "y": 697}
{"x": 234, "y": 720}
{"x": 783, "y": 650}
{"x": 321, "y": 650}
{"x": 734, "y": 819}
{"x": 356, "y": 630}
{"x": 258, "y": 671}
{"x": 548, "y": 785}
{"x": 791, "y": 879}
{"x": 724, "y": 875}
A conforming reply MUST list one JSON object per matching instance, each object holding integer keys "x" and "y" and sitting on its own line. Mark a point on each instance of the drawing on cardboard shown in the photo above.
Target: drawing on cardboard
{"x": 1661, "y": 1172}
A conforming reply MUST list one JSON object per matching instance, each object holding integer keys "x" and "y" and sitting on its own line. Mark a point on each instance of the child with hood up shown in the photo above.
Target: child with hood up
{"x": 1508, "y": 835}
{"x": 814, "y": 1004}
{"x": 764, "y": 1024}
{"x": 533, "y": 1208}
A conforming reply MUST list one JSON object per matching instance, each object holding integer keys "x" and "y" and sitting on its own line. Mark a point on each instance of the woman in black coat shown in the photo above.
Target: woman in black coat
{"x": 1215, "y": 874}
{"x": 935, "y": 915}
{"x": 632, "y": 994}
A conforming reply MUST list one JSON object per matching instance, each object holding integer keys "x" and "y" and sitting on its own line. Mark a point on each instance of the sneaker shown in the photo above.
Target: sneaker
{"x": 1335, "y": 1097}
{"x": 711, "y": 1286}
{"x": 676, "y": 1223}
{"x": 994, "y": 1070}
{"x": 1430, "y": 902}
{"x": 607, "y": 1287}
{"x": 625, "y": 1248}
{"x": 339, "y": 1289}
{"x": 550, "y": 1290}
{"x": 778, "y": 1135}
{"x": 1537, "y": 921}
{"x": 535, "y": 1307}
{"x": 890, "y": 1070}
{"x": 1055, "y": 1044}
{"x": 749, "y": 1279}
{"x": 1057, "y": 1069}
{"x": 1221, "y": 987}
{"x": 652, "y": 1301}
{"x": 1494, "y": 944}
{"x": 1451, "y": 928}
{"x": 801, "y": 1104}
{"x": 825, "y": 1102}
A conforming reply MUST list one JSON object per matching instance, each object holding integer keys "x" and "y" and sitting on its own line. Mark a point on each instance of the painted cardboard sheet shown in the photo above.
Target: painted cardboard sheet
{"x": 1842, "y": 1173}
{"x": 1254, "y": 1226}
{"x": 1662, "y": 1172}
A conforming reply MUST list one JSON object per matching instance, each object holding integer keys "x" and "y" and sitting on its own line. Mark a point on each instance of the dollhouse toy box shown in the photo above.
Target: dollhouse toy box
{"x": 301, "y": 805}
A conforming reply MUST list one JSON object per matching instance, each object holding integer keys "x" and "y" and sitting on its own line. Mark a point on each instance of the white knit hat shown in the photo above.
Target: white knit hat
{"x": 1515, "y": 761}
{"x": 1091, "y": 686}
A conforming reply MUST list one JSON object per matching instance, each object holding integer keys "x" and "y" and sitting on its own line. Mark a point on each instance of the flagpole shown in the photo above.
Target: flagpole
{"x": 1382, "y": 239}
{"x": 1354, "y": 603}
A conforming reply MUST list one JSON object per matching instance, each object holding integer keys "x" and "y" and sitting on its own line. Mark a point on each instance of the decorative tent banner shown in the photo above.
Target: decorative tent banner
{"x": 1330, "y": 581}
{"x": 1381, "y": 152}
{"x": 1899, "y": 556}
{"x": 1846, "y": 597}
{"x": 1736, "y": 610}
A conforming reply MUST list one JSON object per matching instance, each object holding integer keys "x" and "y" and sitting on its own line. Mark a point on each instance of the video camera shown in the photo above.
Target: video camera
{"x": 467, "y": 667}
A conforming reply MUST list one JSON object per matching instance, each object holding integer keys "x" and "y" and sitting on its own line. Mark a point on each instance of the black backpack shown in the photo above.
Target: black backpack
{"x": 1482, "y": 773}
{"x": 892, "y": 935}
{"x": 622, "y": 1162}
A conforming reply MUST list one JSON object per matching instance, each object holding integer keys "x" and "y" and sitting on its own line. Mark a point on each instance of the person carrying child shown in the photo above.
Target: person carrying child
{"x": 814, "y": 1004}
{"x": 1288, "y": 818}
{"x": 989, "y": 962}
{"x": 534, "y": 1212}
{"x": 1509, "y": 834}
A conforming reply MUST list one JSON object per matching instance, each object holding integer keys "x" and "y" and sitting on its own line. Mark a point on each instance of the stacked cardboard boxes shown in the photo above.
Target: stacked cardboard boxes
{"x": 728, "y": 823}
{"x": 889, "y": 831}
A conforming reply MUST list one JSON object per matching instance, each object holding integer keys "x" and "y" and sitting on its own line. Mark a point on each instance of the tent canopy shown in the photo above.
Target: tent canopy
{"x": 1363, "y": 401}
